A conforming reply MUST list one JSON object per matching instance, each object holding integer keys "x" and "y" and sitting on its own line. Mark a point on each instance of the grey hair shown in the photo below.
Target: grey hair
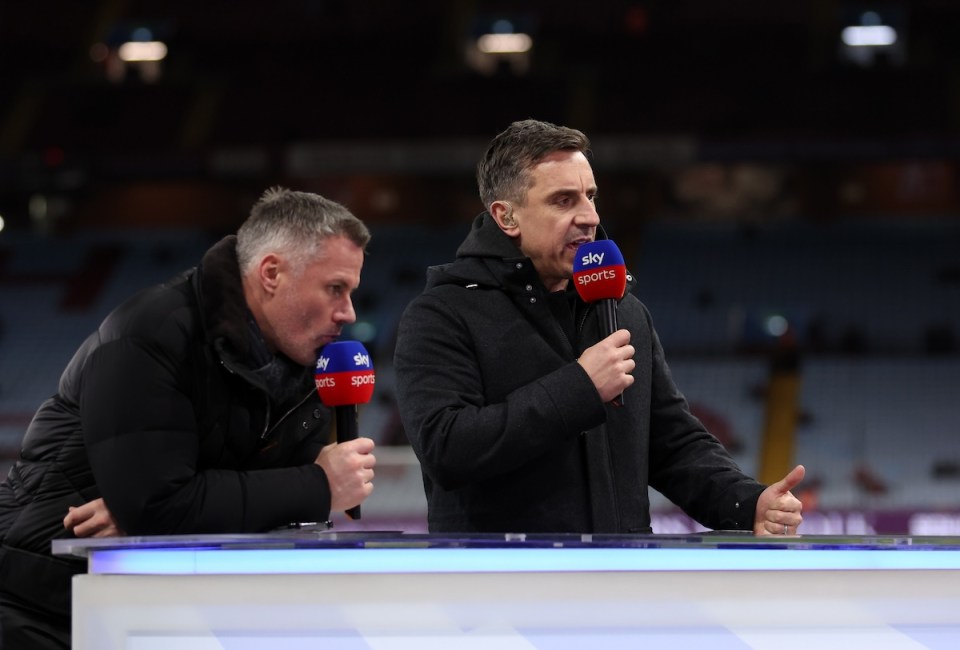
{"x": 294, "y": 224}
{"x": 504, "y": 171}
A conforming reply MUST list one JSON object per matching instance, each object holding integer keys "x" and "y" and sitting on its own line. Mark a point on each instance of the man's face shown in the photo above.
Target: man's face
{"x": 309, "y": 309}
{"x": 557, "y": 216}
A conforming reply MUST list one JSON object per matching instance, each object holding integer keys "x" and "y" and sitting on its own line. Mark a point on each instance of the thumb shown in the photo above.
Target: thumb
{"x": 791, "y": 480}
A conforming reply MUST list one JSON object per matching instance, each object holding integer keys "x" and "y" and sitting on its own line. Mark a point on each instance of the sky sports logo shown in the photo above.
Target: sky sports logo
{"x": 592, "y": 259}
{"x": 360, "y": 360}
{"x": 344, "y": 374}
{"x": 584, "y": 276}
{"x": 583, "y": 279}
{"x": 599, "y": 271}
{"x": 356, "y": 380}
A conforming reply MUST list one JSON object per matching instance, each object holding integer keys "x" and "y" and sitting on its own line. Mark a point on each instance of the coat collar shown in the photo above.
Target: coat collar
{"x": 223, "y": 306}
{"x": 487, "y": 257}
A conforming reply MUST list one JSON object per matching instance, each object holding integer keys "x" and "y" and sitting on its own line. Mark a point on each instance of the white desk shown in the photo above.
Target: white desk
{"x": 385, "y": 591}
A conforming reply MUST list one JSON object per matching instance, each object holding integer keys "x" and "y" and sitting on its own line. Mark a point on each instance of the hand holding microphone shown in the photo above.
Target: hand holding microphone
{"x": 600, "y": 278}
{"x": 349, "y": 469}
{"x": 344, "y": 378}
{"x": 609, "y": 364}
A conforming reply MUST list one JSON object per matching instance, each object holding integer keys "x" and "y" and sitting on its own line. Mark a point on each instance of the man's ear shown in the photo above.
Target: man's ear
{"x": 268, "y": 272}
{"x": 502, "y": 213}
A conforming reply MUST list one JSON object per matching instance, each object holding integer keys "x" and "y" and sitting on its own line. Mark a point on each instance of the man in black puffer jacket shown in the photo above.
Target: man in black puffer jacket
{"x": 191, "y": 409}
{"x": 506, "y": 383}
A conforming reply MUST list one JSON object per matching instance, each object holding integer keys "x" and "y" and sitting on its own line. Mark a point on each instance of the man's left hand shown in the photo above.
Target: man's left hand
{"x": 778, "y": 511}
{"x": 92, "y": 519}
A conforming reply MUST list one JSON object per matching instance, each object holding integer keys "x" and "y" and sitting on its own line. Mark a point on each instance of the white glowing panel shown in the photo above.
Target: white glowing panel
{"x": 493, "y": 560}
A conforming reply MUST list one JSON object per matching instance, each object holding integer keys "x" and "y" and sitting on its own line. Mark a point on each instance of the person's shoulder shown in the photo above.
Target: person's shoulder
{"x": 156, "y": 312}
{"x": 452, "y": 290}
{"x": 632, "y": 307}
{"x": 462, "y": 273}
{"x": 444, "y": 302}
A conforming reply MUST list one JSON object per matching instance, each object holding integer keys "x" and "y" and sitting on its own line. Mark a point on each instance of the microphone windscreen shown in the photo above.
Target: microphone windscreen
{"x": 599, "y": 271}
{"x": 344, "y": 374}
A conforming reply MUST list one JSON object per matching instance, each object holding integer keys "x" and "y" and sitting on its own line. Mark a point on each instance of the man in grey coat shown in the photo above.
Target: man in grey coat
{"x": 506, "y": 385}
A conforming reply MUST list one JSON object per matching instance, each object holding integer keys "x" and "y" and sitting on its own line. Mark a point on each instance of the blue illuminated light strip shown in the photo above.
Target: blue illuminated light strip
{"x": 186, "y": 561}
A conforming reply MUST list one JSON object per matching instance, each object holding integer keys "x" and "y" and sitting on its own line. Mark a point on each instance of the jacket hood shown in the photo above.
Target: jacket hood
{"x": 224, "y": 312}
{"x": 486, "y": 257}
{"x": 230, "y": 327}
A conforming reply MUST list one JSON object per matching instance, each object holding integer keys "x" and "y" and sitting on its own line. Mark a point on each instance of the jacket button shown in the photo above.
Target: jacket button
{"x": 317, "y": 413}
{"x": 519, "y": 265}
{"x": 305, "y": 425}
{"x": 533, "y": 300}
{"x": 529, "y": 287}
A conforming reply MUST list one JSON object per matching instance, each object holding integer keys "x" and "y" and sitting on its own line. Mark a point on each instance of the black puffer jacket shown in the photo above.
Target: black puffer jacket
{"x": 160, "y": 414}
{"x": 511, "y": 434}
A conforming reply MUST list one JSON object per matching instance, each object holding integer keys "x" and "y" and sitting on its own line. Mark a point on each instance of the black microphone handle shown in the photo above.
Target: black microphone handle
{"x": 347, "y": 417}
{"x": 607, "y": 317}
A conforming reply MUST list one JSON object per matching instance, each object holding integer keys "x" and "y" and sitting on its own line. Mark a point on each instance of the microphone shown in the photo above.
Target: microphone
{"x": 344, "y": 378}
{"x": 600, "y": 276}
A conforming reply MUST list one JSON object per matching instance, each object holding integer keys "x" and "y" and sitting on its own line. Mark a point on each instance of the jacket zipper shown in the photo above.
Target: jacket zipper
{"x": 583, "y": 319}
{"x": 266, "y": 398}
{"x": 286, "y": 415}
{"x": 609, "y": 450}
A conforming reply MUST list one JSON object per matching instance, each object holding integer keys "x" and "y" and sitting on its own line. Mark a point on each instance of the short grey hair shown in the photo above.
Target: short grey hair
{"x": 295, "y": 224}
{"x": 503, "y": 173}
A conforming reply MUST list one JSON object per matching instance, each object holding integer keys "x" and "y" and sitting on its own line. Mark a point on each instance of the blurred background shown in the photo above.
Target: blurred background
{"x": 781, "y": 177}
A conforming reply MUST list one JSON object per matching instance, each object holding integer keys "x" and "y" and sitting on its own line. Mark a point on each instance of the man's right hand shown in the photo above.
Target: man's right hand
{"x": 92, "y": 519}
{"x": 349, "y": 468}
{"x": 609, "y": 364}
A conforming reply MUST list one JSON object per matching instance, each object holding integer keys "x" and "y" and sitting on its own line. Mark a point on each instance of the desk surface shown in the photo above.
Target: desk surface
{"x": 312, "y": 537}
{"x": 308, "y": 551}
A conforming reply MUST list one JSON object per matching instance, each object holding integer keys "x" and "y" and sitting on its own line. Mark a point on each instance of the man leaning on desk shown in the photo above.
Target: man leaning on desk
{"x": 192, "y": 409}
{"x": 505, "y": 384}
